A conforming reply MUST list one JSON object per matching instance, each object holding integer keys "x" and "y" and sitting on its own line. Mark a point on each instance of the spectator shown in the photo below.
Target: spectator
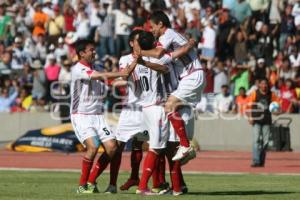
{"x": 241, "y": 10}
{"x": 287, "y": 96}
{"x": 5, "y": 23}
{"x": 224, "y": 101}
{"x": 260, "y": 118}
{"x": 241, "y": 101}
{"x": 39, "y": 20}
{"x": 69, "y": 16}
{"x": 287, "y": 26}
{"x": 19, "y": 56}
{"x": 238, "y": 39}
{"x": 241, "y": 78}
{"x": 82, "y": 23}
{"x": 220, "y": 77}
{"x": 261, "y": 71}
{"x": 39, "y": 83}
{"x": 208, "y": 43}
{"x": 285, "y": 71}
{"x": 105, "y": 32}
{"x": 123, "y": 21}
{"x": 55, "y": 26}
{"x": 6, "y": 100}
{"x": 61, "y": 51}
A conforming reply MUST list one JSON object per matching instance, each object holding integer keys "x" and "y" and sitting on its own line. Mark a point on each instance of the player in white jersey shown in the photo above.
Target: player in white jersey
{"x": 87, "y": 90}
{"x": 190, "y": 74}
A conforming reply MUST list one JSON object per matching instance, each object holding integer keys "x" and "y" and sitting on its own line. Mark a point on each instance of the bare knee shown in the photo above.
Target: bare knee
{"x": 91, "y": 151}
{"x": 111, "y": 148}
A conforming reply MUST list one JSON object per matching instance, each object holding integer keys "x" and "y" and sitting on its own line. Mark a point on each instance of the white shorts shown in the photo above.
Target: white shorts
{"x": 86, "y": 126}
{"x": 155, "y": 121}
{"x": 190, "y": 88}
{"x": 130, "y": 125}
{"x": 187, "y": 115}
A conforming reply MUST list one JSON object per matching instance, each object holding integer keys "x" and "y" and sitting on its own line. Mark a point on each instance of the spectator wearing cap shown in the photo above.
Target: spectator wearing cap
{"x": 39, "y": 20}
{"x": 39, "y": 81}
{"x": 52, "y": 69}
{"x": 5, "y": 22}
{"x": 19, "y": 55}
{"x": 123, "y": 21}
{"x": 224, "y": 101}
{"x": 47, "y": 8}
{"x": 104, "y": 35}
{"x": 55, "y": 26}
{"x": 61, "y": 50}
{"x": 261, "y": 71}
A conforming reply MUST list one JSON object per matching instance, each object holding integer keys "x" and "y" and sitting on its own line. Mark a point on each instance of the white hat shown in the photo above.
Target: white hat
{"x": 51, "y": 47}
{"x": 71, "y": 38}
{"x": 258, "y": 25}
{"x": 36, "y": 64}
{"x": 51, "y": 56}
{"x": 261, "y": 60}
{"x": 60, "y": 40}
{"x": 18, "y": 39}
{"x": 47, "y": 1}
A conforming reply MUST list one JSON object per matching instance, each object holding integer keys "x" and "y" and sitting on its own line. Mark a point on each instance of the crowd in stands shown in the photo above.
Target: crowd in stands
{"x": 239, "y": 42}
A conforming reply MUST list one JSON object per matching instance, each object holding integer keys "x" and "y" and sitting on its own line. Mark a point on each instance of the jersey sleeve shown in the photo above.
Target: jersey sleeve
{"x": 122, "y": 63}
{"x": 83, "y": 73}
{"x": 165, "y": 59}
{"x": 165, "y": 40}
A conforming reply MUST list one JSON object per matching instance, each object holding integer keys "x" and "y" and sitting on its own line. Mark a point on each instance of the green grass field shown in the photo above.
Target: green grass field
{"x": 61, "y": 185}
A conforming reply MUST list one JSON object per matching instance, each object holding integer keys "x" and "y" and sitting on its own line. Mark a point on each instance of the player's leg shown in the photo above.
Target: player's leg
{"x": 114, "y": 168}
{"x": 156, "y": 122}
{"x": 159, "y": 184}
{"x": 171, "y": 108}
{"x": 175, "y": 169}
{"x": 135, "y": 161}
{"x": 92, "y": 144}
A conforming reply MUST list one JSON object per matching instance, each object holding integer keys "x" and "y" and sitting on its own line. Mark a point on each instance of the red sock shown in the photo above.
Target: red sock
{"x": 148, "y": 168}
{"x": 87, "y": 164}
{"x": 175, "y": 176}
{"x": 162, "y": 168}
{"x": 179, "y": 128}
{"x": 182, "y": 182}
{"x": 155, "y": 175}
{"x": 99, "y": 167}
{"x": 114, "y": 168}
{"x": 136, "y": 158}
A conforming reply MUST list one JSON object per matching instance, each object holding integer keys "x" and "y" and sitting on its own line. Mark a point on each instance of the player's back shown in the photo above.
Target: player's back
{"x": 171, "y": 41}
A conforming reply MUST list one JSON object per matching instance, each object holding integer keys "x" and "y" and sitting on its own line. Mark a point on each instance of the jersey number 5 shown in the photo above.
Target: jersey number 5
{"x": 106, "y": 131}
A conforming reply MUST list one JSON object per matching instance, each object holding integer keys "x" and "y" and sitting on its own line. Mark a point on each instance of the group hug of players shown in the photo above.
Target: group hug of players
{"x": 164, "y": 79}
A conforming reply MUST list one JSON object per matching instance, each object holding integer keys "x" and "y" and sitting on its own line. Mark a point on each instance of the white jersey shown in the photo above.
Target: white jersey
{"x": 152, "y": 82}
{"x": 86, "y": 94}
{"x": 146, "y": 86}
{"x": 185, "y": 65}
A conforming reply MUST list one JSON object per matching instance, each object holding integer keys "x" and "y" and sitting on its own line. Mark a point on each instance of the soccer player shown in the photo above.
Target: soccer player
{"x": 190, "y": 74}
{"x": 87, "y": 90}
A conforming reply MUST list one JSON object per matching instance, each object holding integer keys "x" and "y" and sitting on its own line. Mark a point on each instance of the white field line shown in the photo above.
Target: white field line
{"x": 185, "y": 172}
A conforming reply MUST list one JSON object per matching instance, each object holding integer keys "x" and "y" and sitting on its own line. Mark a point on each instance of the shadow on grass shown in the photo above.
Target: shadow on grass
{"x": 240, "y": 193}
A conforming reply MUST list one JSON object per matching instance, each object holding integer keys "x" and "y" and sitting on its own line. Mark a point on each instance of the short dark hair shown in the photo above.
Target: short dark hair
{"x": 81, "y": 45}
{"x": 242, "y": 88}
{"x": 224, "y": 86}
{"x": 160, "y": 16}
{"x": 146, "y": 40}
{"x": 133, "y": 34}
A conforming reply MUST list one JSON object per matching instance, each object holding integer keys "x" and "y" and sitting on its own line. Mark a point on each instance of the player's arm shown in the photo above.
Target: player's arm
{"x": 110, "y": 75}
{"x": 157, "y": 52}
{"x": 154, "y": 66}
{"x": 184, "y": 49}
{"x": 120, "y": 82}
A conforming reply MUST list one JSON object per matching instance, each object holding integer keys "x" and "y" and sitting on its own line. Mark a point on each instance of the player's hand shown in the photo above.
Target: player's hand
{"x": 192, "y": 43}
{"x": 251, "y": 122}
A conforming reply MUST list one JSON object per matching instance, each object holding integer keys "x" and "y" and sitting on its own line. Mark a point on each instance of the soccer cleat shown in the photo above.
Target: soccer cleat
{"x": 177, "y": 193}
{"x": 129, "y": 183}
{"x": 191, "y": 155}
{"x": 92, "y": 187}
{"x": 162, "y": 189}
{"x": 184, "y": 189}
{"x": 111, "y": 189}
{"x": 82, "y": 189}
{"x": 182, "y": 152}
{"x": 146, "y": 192}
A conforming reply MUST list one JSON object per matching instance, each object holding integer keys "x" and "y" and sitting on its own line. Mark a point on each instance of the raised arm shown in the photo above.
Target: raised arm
{"x": 184, "y": 49}
{"x": 154, "y": 66}
{"x": 158, "y": 52}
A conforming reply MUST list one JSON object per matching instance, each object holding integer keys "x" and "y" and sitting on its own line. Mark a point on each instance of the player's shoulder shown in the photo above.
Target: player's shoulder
{"x": 124, "y": 60}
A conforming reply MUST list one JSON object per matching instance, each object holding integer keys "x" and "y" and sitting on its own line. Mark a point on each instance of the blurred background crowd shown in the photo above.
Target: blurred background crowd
{"x": 238, "y": 41}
